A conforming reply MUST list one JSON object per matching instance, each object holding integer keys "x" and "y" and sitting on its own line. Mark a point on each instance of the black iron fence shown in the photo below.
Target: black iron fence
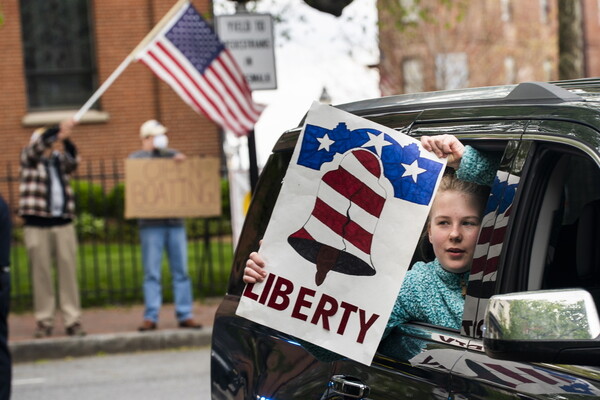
{"x": 109, "y": 257}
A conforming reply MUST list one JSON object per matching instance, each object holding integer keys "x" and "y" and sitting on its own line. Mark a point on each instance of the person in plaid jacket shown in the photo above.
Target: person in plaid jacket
{"x": 47, "y": 206}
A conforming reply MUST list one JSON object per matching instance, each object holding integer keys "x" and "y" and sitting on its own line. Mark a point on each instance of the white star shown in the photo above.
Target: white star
{"x": 325, "y": 142}
{"x": 413, "y": 169}
{"x": 377, "y": 141}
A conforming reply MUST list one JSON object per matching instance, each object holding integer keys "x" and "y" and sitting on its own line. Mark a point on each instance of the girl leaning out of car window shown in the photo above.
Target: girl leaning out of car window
{"x": 434, "y": 292}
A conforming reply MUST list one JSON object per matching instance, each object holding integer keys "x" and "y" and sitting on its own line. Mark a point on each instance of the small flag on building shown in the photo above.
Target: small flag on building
{"x": 187, "y": 54}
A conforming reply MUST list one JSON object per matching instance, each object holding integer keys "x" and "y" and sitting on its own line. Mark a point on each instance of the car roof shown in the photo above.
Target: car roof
{"x": 571, "y": 100}
{"x": 532, "y": 93}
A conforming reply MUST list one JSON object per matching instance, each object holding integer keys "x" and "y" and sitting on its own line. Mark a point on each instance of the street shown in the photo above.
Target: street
{"x": 170, "y": 374}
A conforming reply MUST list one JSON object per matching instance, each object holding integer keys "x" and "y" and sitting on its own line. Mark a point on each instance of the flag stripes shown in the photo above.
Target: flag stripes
{"x": 188, "y": 56}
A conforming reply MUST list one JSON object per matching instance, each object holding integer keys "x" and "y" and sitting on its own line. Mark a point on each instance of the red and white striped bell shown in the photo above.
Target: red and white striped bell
{"x": 339, "y": 232}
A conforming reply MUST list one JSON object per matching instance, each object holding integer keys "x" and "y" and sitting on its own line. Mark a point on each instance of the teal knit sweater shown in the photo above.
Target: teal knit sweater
{"x": 477, "y": 167}
{"x": 430, "y": 294}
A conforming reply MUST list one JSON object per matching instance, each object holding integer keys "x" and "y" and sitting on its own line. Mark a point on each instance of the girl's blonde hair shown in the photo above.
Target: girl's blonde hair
{"x": 450, "y": 182}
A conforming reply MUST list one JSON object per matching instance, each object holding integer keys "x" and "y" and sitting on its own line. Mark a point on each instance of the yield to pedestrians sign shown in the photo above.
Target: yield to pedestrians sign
{"x": 249, "y": 37}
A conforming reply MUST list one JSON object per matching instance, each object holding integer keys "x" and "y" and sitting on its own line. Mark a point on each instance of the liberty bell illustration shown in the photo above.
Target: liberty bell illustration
{"x": 339, "y": 232}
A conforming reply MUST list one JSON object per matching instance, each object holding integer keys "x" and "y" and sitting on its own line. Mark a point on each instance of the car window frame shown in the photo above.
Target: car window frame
{"x": 488, "y": 134}
{"x": 544, "y": 155}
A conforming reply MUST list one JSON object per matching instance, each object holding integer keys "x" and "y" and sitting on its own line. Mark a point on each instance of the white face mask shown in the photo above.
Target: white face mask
{"x": 160, "y": 141}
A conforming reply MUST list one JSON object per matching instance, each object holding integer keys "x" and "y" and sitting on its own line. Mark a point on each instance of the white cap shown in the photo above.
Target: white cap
{"x": 152, "y": 128}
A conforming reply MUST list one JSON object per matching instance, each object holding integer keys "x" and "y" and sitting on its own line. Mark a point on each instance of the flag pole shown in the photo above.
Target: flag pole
{"x": 103, "y": 87}
{"x": 125, "y": 63}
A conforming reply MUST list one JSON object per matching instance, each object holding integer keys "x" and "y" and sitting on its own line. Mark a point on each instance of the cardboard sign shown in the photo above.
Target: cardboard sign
{"x": 354, "y": 200}
{"x": 165, "y": 188}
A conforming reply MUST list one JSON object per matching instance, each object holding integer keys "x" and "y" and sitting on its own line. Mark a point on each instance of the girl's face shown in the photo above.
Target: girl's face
{"x": 453, "y": 229}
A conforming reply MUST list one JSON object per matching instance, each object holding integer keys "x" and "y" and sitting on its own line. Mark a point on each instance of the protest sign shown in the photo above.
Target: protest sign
{"x": 343, "y": 231}
{"x": 165, "y": 188}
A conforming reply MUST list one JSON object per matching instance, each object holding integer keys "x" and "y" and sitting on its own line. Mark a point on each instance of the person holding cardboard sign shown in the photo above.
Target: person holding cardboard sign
{"x": 433, "y": 292}
{"x": 159, "y": 234}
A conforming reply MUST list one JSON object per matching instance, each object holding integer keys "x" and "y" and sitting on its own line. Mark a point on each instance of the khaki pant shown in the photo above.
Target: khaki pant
{"x": 45, "y": 244}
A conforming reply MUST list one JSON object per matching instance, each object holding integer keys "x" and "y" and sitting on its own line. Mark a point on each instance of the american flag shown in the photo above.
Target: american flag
{"x": 187, "y": 54}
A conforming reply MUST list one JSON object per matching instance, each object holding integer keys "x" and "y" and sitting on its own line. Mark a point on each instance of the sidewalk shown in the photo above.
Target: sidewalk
{"x": 110, "y": 330}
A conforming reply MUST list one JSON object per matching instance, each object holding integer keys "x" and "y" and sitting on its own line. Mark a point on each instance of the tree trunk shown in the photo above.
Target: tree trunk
{"x": 571, "y": 58}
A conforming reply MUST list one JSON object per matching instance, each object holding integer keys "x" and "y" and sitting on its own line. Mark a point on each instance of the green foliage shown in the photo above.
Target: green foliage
{"x": 411, "y": 14}
{"x": 17, "y": 234}
{"x": 225, "y": 202}
{"x": 111, "y": 274}
{"x": 116, "y": 202}
{"x": 89, "y": 197}
{"x": 546, "y": 320}
{"x": 198, "y": 228}
{"x": 89, "y": 226}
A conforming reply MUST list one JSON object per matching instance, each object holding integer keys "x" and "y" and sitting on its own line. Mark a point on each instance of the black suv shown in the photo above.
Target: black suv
{"x": 530, "y": 325}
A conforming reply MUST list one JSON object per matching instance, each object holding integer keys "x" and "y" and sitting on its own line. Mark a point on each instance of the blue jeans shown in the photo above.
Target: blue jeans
{"x": 154, "y": 240}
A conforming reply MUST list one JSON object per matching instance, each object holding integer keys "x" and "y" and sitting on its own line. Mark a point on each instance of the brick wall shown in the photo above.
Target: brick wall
{"x": 477, "y": 30}
{"x": 136, "y": 96}
{"x": 591, "y": 23}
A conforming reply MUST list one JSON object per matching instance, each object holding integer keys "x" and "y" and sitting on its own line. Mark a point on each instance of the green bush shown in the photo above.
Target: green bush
{"x": 89, "y": 197}
{"x": 225, "y": 204}
{"x": 116, "y": 202}
{"x": 89, "y": 226}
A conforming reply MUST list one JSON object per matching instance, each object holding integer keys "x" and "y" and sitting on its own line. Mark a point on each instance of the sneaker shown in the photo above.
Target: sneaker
{"x": 147, "y": 325}
{"x": 42, "y": 331}
{"x": 190, "y": 324}
{"x": 75, "y": 330}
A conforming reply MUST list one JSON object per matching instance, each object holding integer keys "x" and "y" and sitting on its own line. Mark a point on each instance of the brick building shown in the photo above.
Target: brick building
{"x": 106, "y": 32}
{"x": 475, "y": 43}
{"x": 591, "y": 38}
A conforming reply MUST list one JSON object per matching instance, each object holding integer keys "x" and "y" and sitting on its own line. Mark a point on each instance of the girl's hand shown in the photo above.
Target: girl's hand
{"x": 445, "y": 146}
{"x": 255, "y": 269}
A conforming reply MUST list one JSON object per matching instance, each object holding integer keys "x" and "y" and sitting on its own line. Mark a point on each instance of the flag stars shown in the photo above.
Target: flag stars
{"x": 325, "y": 142}
{"x": 412, "y": 170}
{"x": 377, "y": 141}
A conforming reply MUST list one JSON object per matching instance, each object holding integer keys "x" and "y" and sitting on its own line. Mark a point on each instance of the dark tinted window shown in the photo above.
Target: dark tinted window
{"x": 57, "y": 46}
{"x": 570, "y": 220}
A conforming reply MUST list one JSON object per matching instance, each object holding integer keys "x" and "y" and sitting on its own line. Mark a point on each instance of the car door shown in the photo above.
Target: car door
{"x": 550, "y": 242}
{"x": 416, "y": 359}
{"x": 414, "y": 362}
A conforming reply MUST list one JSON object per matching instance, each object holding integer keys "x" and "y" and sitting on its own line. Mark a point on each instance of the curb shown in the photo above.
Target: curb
{"x": 129, "y": 342}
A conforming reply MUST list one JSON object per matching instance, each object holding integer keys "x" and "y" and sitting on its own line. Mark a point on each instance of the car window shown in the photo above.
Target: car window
{"x": 566, "y": 244}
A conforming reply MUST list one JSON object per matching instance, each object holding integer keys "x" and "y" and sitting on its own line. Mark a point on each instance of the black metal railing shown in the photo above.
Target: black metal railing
{"x": 109, "y": 258}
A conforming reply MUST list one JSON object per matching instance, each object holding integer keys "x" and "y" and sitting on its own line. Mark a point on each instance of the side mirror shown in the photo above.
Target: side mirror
{"x": 553, "y": 326}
